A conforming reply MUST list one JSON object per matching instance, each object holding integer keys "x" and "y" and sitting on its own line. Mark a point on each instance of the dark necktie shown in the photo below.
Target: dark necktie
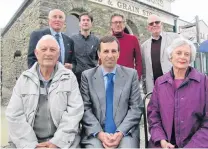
{"x": 57, "y": 38}
{"x": 110, "y": 126}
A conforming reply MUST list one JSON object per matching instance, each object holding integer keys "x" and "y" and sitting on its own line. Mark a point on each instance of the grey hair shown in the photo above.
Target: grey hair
{"x": 52, "y": 11}
{"x": 180, "y": 42}
{"x": 151, "y": 16}
{"x": 46, "y": 37}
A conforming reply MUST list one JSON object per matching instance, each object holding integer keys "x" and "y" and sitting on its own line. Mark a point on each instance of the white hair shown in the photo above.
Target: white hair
{"x": 46, "y": 37}
{"x": 55, "y": 10}
{"x": 180, "y": 42}
{"x": 149, "y": 19}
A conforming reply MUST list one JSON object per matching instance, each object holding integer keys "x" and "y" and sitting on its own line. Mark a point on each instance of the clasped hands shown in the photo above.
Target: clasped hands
{"x": 46, "y": 145}
{"x": 110, "y": 140}
{"x": 165, "y": 144}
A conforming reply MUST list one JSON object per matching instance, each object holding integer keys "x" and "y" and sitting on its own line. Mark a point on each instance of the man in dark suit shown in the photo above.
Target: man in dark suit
{"x": 56, "y": 19}
{"x": 112, "y": 101}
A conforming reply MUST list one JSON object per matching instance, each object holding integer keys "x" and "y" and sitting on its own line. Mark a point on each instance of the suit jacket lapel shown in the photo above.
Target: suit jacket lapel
{"x": 149, "y": 46}
{"x": 119, "y": 84}
{"x": 163, "y": 45}
{"x": 47, "y": 32}
{"x": 99, "y": 87}
{"x": 66, "y": 47}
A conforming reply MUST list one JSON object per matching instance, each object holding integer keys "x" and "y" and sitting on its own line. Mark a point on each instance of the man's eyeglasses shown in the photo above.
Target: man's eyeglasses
{"x": 152, "y": 23}
{"x": 118, "y": 22}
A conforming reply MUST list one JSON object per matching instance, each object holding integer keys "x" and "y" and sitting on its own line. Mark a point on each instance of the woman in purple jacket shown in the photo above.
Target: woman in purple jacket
{"x": 178, "y": 109}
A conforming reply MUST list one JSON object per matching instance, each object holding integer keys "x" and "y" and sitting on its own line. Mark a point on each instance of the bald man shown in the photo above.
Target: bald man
{"x": 154, "y": 58}
{"x": 46, "y": 106}
{"x": 56, "y": 20}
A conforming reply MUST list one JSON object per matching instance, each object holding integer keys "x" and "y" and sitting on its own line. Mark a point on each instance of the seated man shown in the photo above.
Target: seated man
{"x": 112, "y": 101}
{"x": 46, "y": 106}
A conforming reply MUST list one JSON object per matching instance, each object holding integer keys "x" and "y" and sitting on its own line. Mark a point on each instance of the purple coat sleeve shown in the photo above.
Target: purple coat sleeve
{"x": 200, "y": 138}
{"x": 154, "y": 119}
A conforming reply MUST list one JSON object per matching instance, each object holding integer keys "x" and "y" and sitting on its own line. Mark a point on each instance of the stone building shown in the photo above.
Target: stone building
{"x": 32, "y": 15}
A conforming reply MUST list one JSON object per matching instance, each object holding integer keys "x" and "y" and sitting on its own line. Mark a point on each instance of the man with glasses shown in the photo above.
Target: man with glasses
{"x": 56, "y": 19}
{"x": 130, "y": 54}
{"x": 154, "y": 58}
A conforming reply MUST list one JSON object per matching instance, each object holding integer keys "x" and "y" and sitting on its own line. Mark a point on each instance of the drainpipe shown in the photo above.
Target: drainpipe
{"x": 1, "y": 64}
{"x": 175, "y": 29}
{"x": 198, "y": 41}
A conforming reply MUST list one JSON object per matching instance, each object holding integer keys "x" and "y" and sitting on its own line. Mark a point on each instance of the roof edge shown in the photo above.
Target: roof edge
{"x": 19, "y": 11}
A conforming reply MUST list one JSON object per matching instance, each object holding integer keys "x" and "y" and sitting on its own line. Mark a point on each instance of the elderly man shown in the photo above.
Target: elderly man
{"x": 46, "y": 106}
{"x": 154, "y": 58}
{"x": 113, "y": 105}
{"x": 130, "y": 54}
{"x": 56, "y": 19}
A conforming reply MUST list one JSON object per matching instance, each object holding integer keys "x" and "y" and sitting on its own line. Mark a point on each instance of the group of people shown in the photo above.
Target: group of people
{"x": 82, "y": 91}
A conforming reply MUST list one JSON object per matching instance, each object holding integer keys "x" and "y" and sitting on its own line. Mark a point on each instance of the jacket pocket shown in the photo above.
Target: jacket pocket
{"x": 29, "y": 97}
{"x": 30, "y": 117}
{"x": 61, "y": 98}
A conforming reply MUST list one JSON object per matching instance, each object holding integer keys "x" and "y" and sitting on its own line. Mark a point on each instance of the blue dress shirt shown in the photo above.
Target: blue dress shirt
{"x": 62, "y": 48}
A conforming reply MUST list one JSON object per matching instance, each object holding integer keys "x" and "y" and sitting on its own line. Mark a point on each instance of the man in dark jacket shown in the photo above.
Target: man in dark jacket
{"x": 56, "y": 19}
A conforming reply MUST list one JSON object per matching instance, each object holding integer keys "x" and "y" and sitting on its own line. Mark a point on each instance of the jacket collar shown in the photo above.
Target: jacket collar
{"x": 161, "y": 34}
{"x": 84, "y": 36}
{"x": 118, "y": 35}
{"x": 191, "y": 74}
{"x": 33, "y": 74}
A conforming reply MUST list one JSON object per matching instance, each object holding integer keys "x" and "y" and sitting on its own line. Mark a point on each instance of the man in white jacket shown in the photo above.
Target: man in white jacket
{"x": 155, "y": 61}
{"x": 46, "y": 106}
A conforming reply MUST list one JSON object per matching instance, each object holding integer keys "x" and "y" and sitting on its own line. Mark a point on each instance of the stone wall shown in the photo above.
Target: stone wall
{"x": 35, "y": 16}
{"x": 16, "y": 38}
{"x": 101, "y": 15}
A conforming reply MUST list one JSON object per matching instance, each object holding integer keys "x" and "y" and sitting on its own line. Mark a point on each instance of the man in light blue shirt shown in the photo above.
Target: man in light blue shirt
{"x": 56, "y": 19}
{"x": 112, "y": 101}
{"x": 60, "y": 41}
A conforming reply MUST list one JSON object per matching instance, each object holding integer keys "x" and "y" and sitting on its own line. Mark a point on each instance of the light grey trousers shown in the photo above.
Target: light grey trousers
{"x": 76, "y": 143}
{"x": 126, "y": 142}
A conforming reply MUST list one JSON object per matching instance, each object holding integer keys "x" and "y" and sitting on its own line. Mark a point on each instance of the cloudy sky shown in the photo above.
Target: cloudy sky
{"x": 186, "y": 9}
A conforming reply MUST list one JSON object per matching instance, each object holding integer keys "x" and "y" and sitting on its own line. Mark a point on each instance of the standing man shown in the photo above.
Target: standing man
{"x": 46, "y": 106}
{"x": 154, "y": 58}
{"x": 130, "y": 54}
{"x": 56, "y": 19}
{"x": 112, "y": 101}
{"x": 85, "y": 46}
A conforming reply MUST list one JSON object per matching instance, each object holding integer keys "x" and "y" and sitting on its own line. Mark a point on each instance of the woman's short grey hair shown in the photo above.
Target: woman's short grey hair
{"x": 180, "y": 42}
